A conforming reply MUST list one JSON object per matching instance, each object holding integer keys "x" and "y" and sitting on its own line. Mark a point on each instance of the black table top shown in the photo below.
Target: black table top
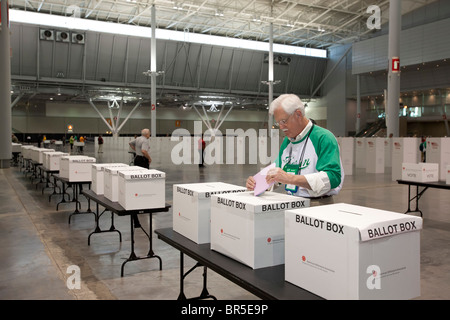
{"x": 266, "y": 283}
{"x": 66, "y": 180}
{"x": 437, "y": 184}
{"x": 117, "y": 208}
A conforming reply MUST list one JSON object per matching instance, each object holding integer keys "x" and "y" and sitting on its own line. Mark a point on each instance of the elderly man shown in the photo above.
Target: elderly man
{"x": 141, "y": 146}
{"x": 309, "y": 162}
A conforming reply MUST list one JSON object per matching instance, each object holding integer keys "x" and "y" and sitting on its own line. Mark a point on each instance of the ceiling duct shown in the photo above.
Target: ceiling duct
{"x": 78, "y": 38}
{"x": 46, "y": 34}
{"x": 62, "y": 36}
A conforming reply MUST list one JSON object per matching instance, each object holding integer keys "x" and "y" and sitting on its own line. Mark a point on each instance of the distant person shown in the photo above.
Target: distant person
{"x": 81, "y": 147}
{"x": 100, "y": 144}
{"x": 71, "y": 141}
{"x": 201, "y": 150}
{"x": 39, "y": 140}
{"x": 423, "y": 149}
{"x": 14, "y": 138}
{"x": 141, "y": 146}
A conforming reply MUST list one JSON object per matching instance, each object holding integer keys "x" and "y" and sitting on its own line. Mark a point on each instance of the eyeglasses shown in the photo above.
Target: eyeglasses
{"x": 282, "y": 122}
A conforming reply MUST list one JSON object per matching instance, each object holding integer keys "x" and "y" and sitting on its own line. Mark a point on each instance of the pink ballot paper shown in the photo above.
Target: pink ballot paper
{"x": 260, "y": 178}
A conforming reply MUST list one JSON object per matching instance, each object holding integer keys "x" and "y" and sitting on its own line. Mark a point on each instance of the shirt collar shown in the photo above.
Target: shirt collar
{"x": 303, "y": 133}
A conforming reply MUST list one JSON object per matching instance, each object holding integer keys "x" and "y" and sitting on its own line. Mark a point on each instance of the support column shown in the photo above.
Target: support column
{"x": 358, "y": 104}
{"x": 153, "y": 74}
{"x": 270, "y": 120}
{"x": 5, "y": 89}
{"x": 393, "y": 93}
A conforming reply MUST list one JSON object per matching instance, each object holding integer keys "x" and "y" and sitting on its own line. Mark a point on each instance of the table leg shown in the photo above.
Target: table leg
{"x": 416, "y": 197}
{"x": 150, "y": 254}
{"x": 76, "y": 187}
{"x": 204, "y": 294}
{"x": 63, "y": 195}
{"x": 97, "y": 225}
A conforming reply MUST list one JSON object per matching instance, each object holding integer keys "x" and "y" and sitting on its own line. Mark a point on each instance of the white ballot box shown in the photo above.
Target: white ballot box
{"x": 42, "y": 153}
{"x": 447, "y": 180}
{"x": 438, "y": 151}
{"x": 16, "y": 147}
{"x": 388, "y": 152}
{"x": 344, "y": 251}
{"x": 52, "y": 160}
{"x": 347, "y": 152}
{"x": 26, "y": 151}
{"x": 98, "y": 173}
{"x": 374, "y": 155}
{"x": 360, "y": 152}
{"x": 420, "y": 172}
{"x": 76, "y": 168}
{"x": 36, "y": 154}
{"x": 250, "y": 229}
{"x": 192, "y": 208}
{"x": 111, "y": 181}
{"x": 403, "y": 150}
{"x": 142, "y": 189}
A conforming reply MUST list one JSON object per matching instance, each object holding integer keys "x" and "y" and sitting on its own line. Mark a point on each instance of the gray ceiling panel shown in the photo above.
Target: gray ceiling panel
{"x": 118, "y": 62}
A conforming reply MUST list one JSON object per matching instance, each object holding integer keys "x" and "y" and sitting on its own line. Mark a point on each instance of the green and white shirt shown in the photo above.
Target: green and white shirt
{"x": 318, "y": 151}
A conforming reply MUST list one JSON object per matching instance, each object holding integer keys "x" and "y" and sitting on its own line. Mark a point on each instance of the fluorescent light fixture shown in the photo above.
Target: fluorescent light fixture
{"x": 78, "y": 24}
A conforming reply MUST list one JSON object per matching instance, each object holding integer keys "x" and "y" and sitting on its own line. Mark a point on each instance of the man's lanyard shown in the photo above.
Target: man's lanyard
{"x": 296, "y": 169}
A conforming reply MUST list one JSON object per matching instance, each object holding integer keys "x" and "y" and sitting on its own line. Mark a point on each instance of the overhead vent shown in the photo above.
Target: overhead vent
{"x": 78, "y": 38}
{"x": 62, "y": 36}
{"x": 46, "y": 34}
{"x": 278, "y": 59}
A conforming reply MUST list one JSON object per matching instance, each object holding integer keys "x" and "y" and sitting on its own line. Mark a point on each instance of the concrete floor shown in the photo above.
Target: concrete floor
{"x": 38, "y": 246}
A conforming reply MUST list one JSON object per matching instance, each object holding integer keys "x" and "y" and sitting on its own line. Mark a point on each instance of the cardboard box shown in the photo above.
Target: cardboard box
{"x": 98, "y": 173}
{"x": 142, "y": 189}
{"x": 388, "y": 152}
{"x": 16, "y": 147}
{"x": 111, "y": 181}
{"x": 344, "y": 251}
{"x": 192, "y": 208}
{"x": 360, "y": 152}
{"x": 447, "y": 180}
{"x": 25, "y": 150}
{"x": 347, "y": 152}
{"x": 438, "y": 151}
{"x": 76, "y": 168}
{"x": 41, "y": 155}
{"x": 250, "y": 229}
{"x": 52, "y": 160}
{"x": 36, "y": 154}
{"x": 375, "y": 155}
{"x": 403, "y": 150}
{"x": 420, "y": 172}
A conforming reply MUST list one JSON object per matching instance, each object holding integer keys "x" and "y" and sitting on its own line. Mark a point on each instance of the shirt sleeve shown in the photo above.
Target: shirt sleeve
{"x": 146, "y": 146}
{"x": 328, "y": 165}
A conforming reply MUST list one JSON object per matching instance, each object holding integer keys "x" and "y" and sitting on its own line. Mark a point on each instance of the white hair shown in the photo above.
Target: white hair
{"x": 289, "y": 103}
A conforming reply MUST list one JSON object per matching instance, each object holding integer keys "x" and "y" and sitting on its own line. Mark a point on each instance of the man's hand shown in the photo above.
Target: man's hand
{"x": 278, "y": 175}
{"x": 251, "y": 183}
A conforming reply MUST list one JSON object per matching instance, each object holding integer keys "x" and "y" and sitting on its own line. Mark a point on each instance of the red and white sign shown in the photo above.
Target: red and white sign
{"x": 395, "y": 64}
